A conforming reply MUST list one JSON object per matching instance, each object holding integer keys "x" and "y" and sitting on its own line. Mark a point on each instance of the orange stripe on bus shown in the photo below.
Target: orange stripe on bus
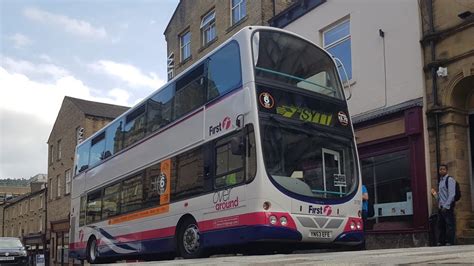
{"x": 140, "y": 214}
{"x": 166, "y": 170}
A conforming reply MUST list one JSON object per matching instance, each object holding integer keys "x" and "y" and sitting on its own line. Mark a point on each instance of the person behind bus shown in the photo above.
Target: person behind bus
{"x": 445, "y": 197}
{"x": 365, "y": 205}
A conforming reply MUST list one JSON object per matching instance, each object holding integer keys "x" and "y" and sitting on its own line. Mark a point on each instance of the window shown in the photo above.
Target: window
{"x": 111, "y": 201}
{"x": 134, "y": 129}
{"x": 238, "y": 9}
{"x": 337, "y": 41}
{"x": 224, "y": 71}
{"x": 388, "y": 181}
{"x": 208, "y": 28}
{"x": 97, "y": 149}
{"x": 59, "y": 186}
{"x": 40, "y": 224}
{"x": 190, "y": 177}
{"x": 82, "y": 211}
{"x": 152, "y": 185}
{"x": 229, "y": 167}
{"x": 67, "y": 174}
{"x": 159, "y": 109}
{"x": 94, "y": 206}
{"x": 82, "y": 157}
{"x": 51, "y": 154}
{"x": 32, "y": 201}
{"x": 185, "y": 44}
{"x": 114, "y": 139}
{"x": 59, "y": 150}
{"x": 132, "y": 194}
{"x": 50, "y": 189}
{"x": 189, "y": 92}
{"x": 41, "y": 201}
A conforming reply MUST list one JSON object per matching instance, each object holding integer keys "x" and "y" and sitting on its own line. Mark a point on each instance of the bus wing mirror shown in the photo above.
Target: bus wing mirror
{"x": 237, "y": 145}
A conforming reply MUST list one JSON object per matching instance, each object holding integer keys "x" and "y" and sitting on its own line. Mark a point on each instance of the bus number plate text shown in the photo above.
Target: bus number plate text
{"x": 320, "y": 234}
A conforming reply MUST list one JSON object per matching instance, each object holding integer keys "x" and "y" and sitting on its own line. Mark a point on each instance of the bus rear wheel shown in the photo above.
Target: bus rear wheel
{"x": 189, "y": 240}
{"x": 92, "y": 251}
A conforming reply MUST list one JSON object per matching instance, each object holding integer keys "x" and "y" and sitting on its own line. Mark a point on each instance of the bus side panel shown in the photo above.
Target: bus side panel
{"x": 185, "y": 133}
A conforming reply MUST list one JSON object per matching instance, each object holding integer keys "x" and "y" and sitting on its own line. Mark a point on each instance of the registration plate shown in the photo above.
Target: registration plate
{"x": 7, "y": 258}
{"x": 320, "y": 234}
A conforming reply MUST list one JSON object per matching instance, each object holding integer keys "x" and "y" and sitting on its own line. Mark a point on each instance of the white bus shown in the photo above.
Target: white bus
{"x": 251, "y": 146}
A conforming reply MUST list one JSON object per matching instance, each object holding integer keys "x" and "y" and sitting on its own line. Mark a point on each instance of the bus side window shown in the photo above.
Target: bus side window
{"x": 97, "y": 149}
{"x": 251, "y": 163}
{"x": 189, "y": 92}
{"x": 190, "y": 173}
{"x": 111, "y": 202}
{"x": 229, "y": 167}
{"x": 82, "y": 211}
{"x": 132, "y": 194}
{"x": 152, "y": 185}
{"x": 159, "y": 109}
{"x": 114, "y": 138}
{"x": 82, "y": 157}
{"x": 94, "y": 207}
{"x": 134, "y": 126}
{"x": 224, "y": 71}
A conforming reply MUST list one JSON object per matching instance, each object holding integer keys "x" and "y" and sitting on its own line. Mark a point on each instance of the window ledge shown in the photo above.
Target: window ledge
{"x": 185, "y": 61}
{"x": 235, "y": 25}
{"x": 207, "y": 45}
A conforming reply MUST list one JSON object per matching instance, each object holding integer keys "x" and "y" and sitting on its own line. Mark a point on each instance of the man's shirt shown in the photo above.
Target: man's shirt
{"x": 445, "y": 197}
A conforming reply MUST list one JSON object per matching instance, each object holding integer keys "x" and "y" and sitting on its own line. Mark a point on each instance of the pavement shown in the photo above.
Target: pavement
{"x": 461, "y": 254}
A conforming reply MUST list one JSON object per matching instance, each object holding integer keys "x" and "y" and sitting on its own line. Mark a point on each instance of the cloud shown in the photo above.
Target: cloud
{"x": 28, "y": 110}
{"x": 42, "y": 100}
{"x": 129, "y": 74}
{"x": 36, "y": 70}
{"x": 20, "y": 40}
{"x": 73, "y": 26}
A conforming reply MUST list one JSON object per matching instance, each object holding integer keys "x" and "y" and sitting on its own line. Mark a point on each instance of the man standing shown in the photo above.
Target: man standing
{"x": 445, "y": 197}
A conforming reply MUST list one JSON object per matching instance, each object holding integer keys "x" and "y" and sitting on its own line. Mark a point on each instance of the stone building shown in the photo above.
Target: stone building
{"x": 198, "y": 26}
{"x": 448, "y": 45}
{"x": 25, "y": 217}
{"x": 77, "y": 120}
{"x": 7, "y": 192}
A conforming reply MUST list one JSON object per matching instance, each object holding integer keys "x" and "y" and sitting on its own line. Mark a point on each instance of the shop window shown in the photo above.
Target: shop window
{"x": 387, "y": 178}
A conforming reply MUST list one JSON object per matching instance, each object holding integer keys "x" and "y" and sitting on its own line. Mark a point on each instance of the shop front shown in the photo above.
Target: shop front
{"x": 392, "y": 156}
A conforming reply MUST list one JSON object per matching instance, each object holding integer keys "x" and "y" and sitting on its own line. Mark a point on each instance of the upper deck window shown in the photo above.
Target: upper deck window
{"x": 288, "y": 59}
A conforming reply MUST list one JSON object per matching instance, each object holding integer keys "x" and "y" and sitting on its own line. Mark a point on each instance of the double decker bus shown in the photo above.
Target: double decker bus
{"x": 251, "y": 144}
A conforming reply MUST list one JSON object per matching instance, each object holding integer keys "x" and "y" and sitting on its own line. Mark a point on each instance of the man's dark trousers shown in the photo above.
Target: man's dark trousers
{"x": 446, "y": 226}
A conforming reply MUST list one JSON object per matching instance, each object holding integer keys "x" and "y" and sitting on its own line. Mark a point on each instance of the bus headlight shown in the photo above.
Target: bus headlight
{"x": 359, "y": 226}
{"x": 353, "y": 226}
{"x": 273, "y": 220}
{"x": 283, "y": 221}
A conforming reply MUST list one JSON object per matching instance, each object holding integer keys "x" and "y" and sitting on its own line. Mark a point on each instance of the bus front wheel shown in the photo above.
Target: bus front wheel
{"x": 92, "y": 250}
{"x": 189, "y": 240}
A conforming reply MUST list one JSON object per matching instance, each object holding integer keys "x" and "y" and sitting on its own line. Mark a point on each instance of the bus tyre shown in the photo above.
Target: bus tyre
{"x": 189, "y": 240}
{"x": 92, "y": 251}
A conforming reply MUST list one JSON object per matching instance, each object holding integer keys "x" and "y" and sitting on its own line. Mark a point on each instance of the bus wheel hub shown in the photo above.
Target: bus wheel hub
{"x": 191, "y": 239}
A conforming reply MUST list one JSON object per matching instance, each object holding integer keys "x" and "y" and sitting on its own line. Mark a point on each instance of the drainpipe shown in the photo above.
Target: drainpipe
{"x": 434, "y": 79}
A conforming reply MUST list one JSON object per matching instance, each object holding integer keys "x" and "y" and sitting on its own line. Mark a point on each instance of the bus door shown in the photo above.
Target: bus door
{"x": 334, "y": 180}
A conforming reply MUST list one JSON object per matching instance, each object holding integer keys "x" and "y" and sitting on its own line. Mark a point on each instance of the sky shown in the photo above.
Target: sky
{"x": 111, "y": 51}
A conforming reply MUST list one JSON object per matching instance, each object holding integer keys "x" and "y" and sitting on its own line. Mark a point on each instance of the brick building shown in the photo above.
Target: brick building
{"x": 198, "y": 26}
{"x": 25, "y": 217}
{"x": 77, "y": 120}
{"x": 448, "y": 38}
